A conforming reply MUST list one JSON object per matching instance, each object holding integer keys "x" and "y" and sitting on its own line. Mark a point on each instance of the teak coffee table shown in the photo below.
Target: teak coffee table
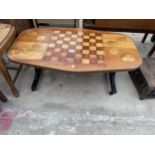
{"x": 75, "y": 50}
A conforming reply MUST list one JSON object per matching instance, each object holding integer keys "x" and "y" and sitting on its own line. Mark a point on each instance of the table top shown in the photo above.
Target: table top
{"x": 75, "y": 50}
{"x": 7, "y": 34}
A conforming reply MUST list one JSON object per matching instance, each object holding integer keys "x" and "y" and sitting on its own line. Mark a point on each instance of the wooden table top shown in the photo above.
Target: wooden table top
{"x": 75, "y": 50}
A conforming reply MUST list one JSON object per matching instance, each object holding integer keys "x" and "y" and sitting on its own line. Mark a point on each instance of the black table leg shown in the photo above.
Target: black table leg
{"x": 36, "y": 79}
{"x": 153, "y": 38}
{"x": 112, "y": 83}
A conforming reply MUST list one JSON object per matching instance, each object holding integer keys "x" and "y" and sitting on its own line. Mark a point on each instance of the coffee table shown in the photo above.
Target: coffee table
{"x": 75, "y": 50}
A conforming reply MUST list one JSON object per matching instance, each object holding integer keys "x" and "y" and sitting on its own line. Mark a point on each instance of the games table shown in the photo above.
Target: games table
{"x": 75, "y": 50}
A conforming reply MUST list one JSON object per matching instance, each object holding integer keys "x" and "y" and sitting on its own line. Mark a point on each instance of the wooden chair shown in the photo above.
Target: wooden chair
{"x": 144, "y": 38}
{"x": 7, "y": 36}
{"x": 18, "y": 25}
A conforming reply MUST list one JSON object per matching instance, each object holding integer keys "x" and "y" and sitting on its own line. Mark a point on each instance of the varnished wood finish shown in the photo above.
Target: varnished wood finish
{"x": 4, "y": 45}
{"x": 75, "y": 50}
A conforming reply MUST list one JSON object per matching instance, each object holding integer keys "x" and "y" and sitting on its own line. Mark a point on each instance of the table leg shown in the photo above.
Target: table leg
{"x": 36, "y": 79}
{"x": 112, "y": 83}
{"x": 153, "y": 38}
{"x": 144, "y": 38}
{"x": 151, "y": 51}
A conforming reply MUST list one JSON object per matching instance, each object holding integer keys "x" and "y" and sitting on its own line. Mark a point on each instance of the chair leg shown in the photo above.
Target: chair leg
{"x": 17, "y": 73}
{"x": 2, "y": 97}
{"x": 151, "y": 51}
{"x": 7, "y": 76}
{"x": 144, "y": 38}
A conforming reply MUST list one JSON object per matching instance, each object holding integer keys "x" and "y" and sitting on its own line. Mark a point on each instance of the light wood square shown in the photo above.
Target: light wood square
{"x": 54, "y": 38}
{"x": 51, "y": 45}
{"x": 79, "y": 47}
{"x": 71, "y": 51}
{"x": 85, "y": 61}
{"x": 67, "y": 39}
{"x": 92, "y": 40}
{"x": 59, "y": 42}
{"x": 85, "y": 51}
{"x": 80, "y": 40}
{"x": 61, "y": 35}
{"x": 72, "y": 43}
{"x": 86, "y": 44}
{"x": 92, "y": 34}
{"x": 93, "y": 48}
{"x": 99, "y": 45}
{"x": 86, "y": 37}
{"x": 65, "y": 46}
{"x": 100, "y": 52}
{"x": 98, "y": 37}
{"x": 57, "y": 49}
{"x": 74, "y": 36}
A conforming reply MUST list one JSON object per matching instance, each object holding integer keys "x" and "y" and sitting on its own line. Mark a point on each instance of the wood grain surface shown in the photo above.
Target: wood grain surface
{"x": 76, "y": 50}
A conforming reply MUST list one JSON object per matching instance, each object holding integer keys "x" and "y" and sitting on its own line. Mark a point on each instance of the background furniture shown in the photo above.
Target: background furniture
{"x": 144, "y": 79}
{"x": 124, "y": 25}
{"x": 55, "y": 22}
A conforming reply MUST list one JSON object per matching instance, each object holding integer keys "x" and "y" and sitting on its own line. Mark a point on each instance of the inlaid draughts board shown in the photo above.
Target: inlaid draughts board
{"x": 75, "y": 48}
{"x": 71, "y": 49}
